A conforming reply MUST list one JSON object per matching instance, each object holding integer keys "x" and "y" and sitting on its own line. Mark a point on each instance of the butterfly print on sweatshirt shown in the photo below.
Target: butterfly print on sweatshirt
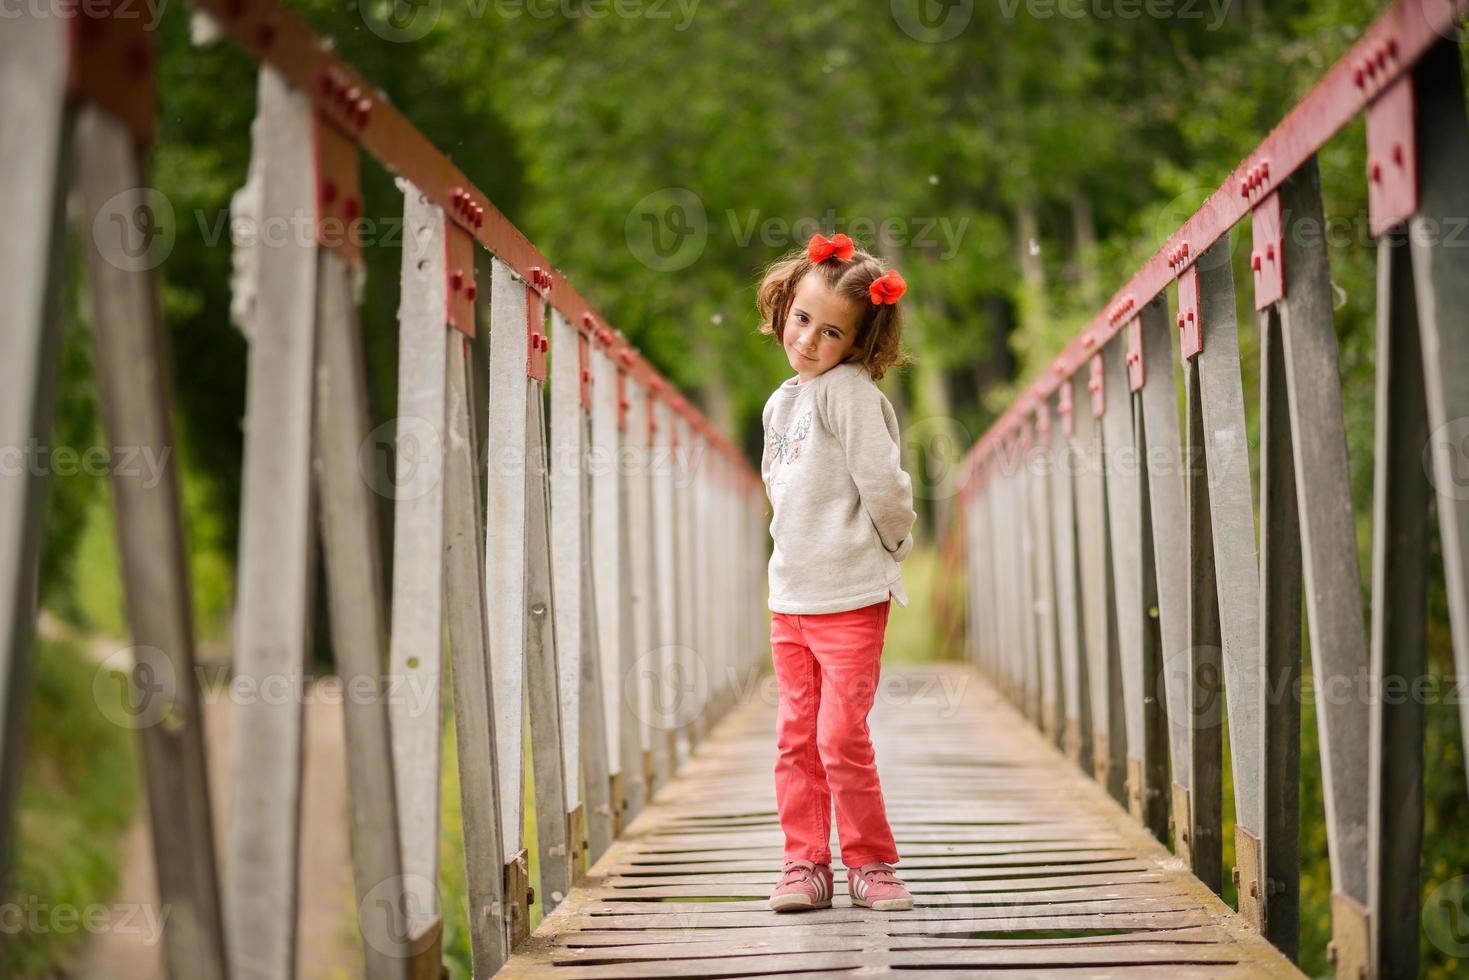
{"x": 787, "y": 442}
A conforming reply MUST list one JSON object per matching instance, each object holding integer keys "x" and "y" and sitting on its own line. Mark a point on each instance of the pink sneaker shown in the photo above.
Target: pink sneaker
{"x": 803, "y": 885}
{"x": 876, "y": 886}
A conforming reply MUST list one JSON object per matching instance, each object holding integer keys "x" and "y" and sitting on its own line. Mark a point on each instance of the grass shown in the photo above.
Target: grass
{"x": 78, "y": 791}
{"x": 453, "y": 887}
{"x": 913, "y": 635}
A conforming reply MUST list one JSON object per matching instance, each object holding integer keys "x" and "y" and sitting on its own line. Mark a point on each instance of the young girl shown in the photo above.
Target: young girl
{"x": 842, "y": 520}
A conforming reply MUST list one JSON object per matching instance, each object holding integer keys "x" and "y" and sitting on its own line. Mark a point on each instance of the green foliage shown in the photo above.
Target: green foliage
{"x": 77, "y": 795}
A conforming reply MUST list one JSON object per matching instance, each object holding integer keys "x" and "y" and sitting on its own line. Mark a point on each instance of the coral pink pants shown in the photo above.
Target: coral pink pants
{"x": 828, "y": 667}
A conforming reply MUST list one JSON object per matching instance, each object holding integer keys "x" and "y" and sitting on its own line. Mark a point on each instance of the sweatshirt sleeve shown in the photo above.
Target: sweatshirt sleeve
{"x": 863, "y": 421}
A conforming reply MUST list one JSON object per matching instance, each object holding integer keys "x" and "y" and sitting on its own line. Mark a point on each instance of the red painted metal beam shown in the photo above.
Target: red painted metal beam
{"x": 1384, "y": 54}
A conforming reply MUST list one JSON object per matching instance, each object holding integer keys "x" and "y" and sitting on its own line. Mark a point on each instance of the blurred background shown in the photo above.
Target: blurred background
{"x": 1016, "y": 159}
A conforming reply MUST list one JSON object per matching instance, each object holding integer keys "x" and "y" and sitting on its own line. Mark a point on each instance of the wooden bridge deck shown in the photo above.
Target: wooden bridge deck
{"x": 1016, "y": 860}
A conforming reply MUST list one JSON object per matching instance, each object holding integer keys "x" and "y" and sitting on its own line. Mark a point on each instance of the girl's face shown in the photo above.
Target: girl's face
{"x": 820, "y": 328}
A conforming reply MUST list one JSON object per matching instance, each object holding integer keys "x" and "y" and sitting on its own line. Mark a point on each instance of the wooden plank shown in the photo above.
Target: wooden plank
{"x": 704, "y": 594}
{"x": 1441, "y": 281}
{"x": 718, "y": 648}
{"x": 699, "y": 582}
{"x": 600, "y": 802}
{"x": 1333, "y": 586}
{"x": 349, "y": 527}
{"x": 934, "y": 915}
{"x": 1167, "y": 927}
{"x": 1149, "y": 795}
{"x": 938, "y": 914}
{"x": 1103, "y": 667}
{"x": 1025, "y": 534}
{"x": 610, "y": 571}
{"x": 578, "y": 661}
{"x": 474, "y": 715}
{"x": 936, "y": 879}
{"x": 272, "y": 612}
{"x": 553, "y": 830}
{"x": 1167, "y": 505}
{"x": 673, "y": 690}
{"x": 626, "y": 685}
{"x": 1007, "y": 639}
{"x": 683, "y": 562}
{"x": 1013, "y": 647}
{"x": 1125, "y": 536}
{"x": 1201, "y": 836}
{"x": 415, "y": 649}
{"x": 567, "y": 475}
{"x": 505, "y": 542}
{"x": 989, "y": 593}
{"x": 977, "y": 618}
{"x": 136, "y": 396}
{"x": 1076, "y": 739}
{"x": 990, "y": 587}
{"x": 637, "y": 684}
{"x": 1280, "y": 625}
{"x": 1232, "y": 517}
{"x": 35, "y": 143}
{"x": 633, "y": 865}
{"x": 1045, "y": 576}
{"x": 1399, "y": 655}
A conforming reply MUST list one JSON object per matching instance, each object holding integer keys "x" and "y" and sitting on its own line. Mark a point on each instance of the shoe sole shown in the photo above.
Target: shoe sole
{"x": 886, "y": 904}
{"x": 796, "y": 903}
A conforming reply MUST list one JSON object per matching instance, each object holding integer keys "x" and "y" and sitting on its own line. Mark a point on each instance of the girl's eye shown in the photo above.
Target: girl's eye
{"x": 801, "y": 317}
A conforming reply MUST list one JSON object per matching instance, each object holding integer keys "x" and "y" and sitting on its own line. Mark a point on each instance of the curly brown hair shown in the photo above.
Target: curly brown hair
{"x": 881, "y": 326}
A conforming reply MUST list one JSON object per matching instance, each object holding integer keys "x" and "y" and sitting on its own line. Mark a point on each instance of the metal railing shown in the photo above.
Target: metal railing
{"x": 580, "y": 566}
{"x": 1115, "y": 577}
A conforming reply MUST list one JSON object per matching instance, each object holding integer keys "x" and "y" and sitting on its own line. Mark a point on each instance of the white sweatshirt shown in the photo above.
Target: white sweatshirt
{"x": 842, "y": 505}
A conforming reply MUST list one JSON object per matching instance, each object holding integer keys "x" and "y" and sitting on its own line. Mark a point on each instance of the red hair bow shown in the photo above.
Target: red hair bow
{"x": 887, "y": 287}
{"x": 821, "y": 248}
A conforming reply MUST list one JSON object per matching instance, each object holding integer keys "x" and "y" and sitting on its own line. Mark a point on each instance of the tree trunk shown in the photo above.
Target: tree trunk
{"x": 1085, "y": 228}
